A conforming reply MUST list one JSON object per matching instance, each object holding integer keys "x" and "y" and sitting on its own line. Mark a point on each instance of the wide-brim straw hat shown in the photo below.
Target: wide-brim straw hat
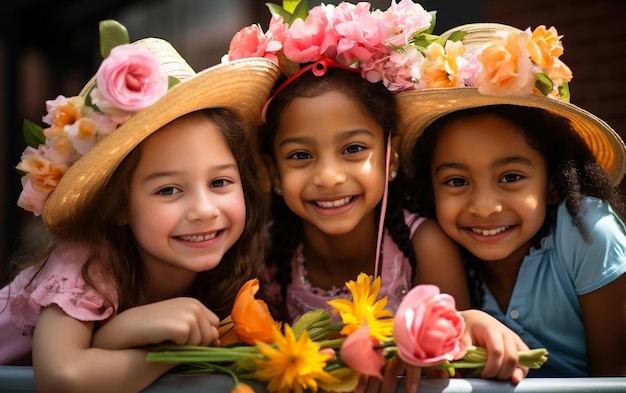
{"x": 419, "y": 108}
{"x": 242, "y": 86}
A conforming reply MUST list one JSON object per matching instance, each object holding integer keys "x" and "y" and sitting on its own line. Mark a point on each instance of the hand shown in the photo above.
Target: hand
{"x": 395, "y": 372}
{"x": 183, "y": 321}
{"x": 501, "y": 343}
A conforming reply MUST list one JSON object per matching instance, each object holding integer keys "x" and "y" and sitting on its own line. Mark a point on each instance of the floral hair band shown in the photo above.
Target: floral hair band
{"x": 398, "y": 48}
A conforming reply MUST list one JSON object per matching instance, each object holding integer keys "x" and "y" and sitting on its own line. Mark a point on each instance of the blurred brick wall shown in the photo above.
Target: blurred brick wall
{"x": 594, "y": 41}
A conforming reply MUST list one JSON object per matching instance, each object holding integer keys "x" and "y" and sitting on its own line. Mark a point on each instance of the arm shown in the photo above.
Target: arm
{"x": 178, "y": 320}
{"x": 114, "y": 358}
{"x": 439, "y": 262}
{"x": 604, "y": 317}
{"x": 63, "y": 360}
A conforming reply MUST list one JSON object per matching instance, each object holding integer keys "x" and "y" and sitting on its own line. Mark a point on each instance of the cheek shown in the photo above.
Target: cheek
{"x": 235, "y": 205}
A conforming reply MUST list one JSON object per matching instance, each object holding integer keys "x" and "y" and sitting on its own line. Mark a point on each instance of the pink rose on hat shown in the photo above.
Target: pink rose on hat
{"x": 129, "y": 79}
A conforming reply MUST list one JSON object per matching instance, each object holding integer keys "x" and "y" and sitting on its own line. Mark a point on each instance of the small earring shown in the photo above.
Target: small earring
{"x": 393, "y": 174}
{"x": 278, "y": 191}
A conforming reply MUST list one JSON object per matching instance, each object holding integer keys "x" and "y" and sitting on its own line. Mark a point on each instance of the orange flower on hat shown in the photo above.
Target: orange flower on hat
{"x": 544, "y": 46}
{"x": 442, "y": 64}
{"x": 507, "y": 68}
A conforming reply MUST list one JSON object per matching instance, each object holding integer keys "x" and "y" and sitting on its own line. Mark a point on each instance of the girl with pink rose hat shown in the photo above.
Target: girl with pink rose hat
{"x": 146, "y": 184}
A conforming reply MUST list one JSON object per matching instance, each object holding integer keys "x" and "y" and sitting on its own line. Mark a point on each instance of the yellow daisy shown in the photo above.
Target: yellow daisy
{"x": 365, "y": 309}
{"x": 292, "y": 365}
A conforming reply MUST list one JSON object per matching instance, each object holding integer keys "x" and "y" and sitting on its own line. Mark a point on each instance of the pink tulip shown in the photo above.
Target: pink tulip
{"x": 358, "y": 352}
{"x": 428, "y": 328}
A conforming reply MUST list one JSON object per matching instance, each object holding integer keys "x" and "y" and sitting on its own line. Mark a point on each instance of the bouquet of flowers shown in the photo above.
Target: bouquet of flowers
{"x": 316, "y": 353}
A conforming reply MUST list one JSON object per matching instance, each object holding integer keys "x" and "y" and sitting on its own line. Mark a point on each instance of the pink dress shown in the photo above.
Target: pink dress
{"x": 302, "y": 296}
{"x": 60, "y": 282}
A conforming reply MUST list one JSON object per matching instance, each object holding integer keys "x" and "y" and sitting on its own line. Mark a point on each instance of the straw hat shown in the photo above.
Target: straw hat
{"x": 242, "y": 86}
{"x": 419, "y": 108}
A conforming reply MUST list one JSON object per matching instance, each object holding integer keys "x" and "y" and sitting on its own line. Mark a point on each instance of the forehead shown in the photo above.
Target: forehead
{"x": 331, "y": 112}
{"x": 482, "y": 136}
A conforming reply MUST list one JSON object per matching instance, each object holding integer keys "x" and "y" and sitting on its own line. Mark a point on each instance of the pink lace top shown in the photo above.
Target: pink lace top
{"x": 303, "y": 297}
{"x": 60, "y": 282}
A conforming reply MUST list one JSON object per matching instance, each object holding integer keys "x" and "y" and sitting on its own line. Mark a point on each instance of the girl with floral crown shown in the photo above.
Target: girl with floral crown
{"x": 526, "y": 183}
{"x": 326, "y": 140}
{"x": 146, "y": 184}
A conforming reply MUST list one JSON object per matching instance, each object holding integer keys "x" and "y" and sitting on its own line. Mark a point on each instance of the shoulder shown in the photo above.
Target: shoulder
{"x": 598, "y": 217}
{"x": 602, "y": 257}
{"x": 429, "y": 231}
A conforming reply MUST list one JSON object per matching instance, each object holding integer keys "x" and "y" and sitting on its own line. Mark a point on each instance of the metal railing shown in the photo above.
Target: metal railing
{"x": 20, "y": 379}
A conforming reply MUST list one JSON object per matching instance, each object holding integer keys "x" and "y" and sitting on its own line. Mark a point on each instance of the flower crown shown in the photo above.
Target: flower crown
{"x": 129, "y": 80}
{"x": 397, "y": 47}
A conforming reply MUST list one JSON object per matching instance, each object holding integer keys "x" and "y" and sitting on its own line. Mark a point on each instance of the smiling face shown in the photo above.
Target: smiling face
{"x": 330, "y": 161}
{"x": 186, "y": 202}
{"x": 490, "y": 187}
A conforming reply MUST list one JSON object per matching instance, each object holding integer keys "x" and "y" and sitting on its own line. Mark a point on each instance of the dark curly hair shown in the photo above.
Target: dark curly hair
{"x": 286, "y": 230}
{"x": 571, "y": 168}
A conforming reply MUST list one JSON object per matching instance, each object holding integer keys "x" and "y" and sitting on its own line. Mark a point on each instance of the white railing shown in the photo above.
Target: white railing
{"x": 20, "y": 379}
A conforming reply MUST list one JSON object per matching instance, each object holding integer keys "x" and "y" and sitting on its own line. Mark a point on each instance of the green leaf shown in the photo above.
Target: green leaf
{"x": 291, "y": 10}
{"x": 300, "y": 12}
{"x": 291, "y": 5}
{"x": 457, "y": 35}
{"x": 433, "y": 21}
{"x": 112, "y": 34}
{"x": 543, "y": 83}
{"x": 564, "y": 92}
{"x": 33, "y": 134}
{"x": 171, "y": 82}
{"x": 275, "y": 9}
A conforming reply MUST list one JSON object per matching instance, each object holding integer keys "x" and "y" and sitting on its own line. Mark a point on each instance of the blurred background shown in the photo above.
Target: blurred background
{"x": 49, "y": 48}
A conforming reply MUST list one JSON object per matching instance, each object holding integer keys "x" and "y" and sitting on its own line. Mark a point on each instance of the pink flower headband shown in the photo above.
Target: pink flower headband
{"x": 129, "y": 80}
{"x": 397, "y": 47}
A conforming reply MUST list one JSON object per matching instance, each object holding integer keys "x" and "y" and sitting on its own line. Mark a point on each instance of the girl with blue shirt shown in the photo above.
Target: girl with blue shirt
{"x": 526, "y": 184}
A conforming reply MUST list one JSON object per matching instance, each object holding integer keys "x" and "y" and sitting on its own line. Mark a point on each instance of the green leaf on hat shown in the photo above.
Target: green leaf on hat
{"x": 291, "y": 10}
{"x": 171, "y": 82}
{"x": 457, "y": 35}
{"x": 564, "y": 92}
{"x": 543, "y": 83}
{"x": 112, "y": 34}
{"x": 33, "y": 134}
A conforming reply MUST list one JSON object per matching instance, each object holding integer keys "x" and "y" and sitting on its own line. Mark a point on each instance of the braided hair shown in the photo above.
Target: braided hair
{"x": 285, "y": 232}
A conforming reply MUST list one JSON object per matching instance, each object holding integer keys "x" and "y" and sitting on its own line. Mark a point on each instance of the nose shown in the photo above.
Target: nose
{"x": 484, "y": 201}
{"x": 329, "y": 173}
{"x": 202, "y": 206}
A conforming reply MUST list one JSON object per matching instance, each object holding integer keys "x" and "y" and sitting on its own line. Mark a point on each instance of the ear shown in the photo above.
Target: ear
{"x": 553, "y": 196}
{"x": 121, "y": 220}
{"x": 272, "y": 171}
{"x": 394, "y": 163}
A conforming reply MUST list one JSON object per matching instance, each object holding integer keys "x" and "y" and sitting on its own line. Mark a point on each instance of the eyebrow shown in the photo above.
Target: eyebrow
{"x": 501, "y": 162}
{"x": 156, "y": 175}
{"x": 341, "y": 136}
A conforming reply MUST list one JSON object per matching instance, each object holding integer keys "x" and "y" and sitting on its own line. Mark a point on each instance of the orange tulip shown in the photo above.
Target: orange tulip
{"x": 242, "y": 388}
{"x": 228, "y": 335}
{"x": 253, "y": 321}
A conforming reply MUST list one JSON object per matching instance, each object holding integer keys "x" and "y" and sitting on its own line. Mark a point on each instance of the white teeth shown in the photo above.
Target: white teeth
{"x": 489, "y": 232}
{"x": 198, "y": 238}
{"x": 337, "y": 203}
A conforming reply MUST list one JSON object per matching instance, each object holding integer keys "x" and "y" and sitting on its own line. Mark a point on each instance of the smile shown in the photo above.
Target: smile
{"x": 489, "y": 232}
{"x": 198, "y": 238}
{"x": 336, "y": 203}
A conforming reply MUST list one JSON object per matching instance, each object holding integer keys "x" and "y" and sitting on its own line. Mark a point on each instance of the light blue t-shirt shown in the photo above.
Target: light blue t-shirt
{"x": 544, "y": 308}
